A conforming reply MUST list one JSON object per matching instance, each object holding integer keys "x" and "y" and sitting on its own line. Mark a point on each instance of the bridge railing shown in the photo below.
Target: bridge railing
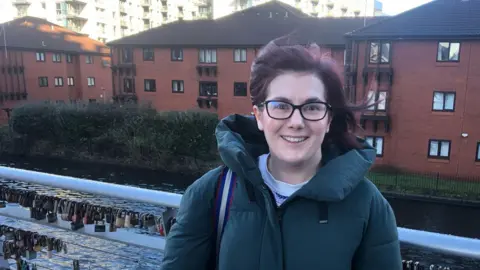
{"x": 169, "y": 202}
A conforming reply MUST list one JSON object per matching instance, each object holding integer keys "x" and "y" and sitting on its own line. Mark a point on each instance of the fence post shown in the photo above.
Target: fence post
{"x": 436, "y": 184}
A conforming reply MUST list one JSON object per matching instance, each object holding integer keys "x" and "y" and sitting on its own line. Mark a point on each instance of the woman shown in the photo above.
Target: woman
{"x": 301, "y": 199}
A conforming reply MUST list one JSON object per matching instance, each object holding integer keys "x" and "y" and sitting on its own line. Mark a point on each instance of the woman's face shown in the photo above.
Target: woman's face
{"x": 294, "y": 140}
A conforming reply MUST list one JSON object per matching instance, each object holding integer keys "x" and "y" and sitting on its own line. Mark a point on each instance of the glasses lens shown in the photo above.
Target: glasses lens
{"x": 279, "y": 109}
{"x": 314, "y": 111}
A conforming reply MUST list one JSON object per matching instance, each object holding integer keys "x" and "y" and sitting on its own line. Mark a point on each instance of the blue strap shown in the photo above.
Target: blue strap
{"x": 223, "y": 201}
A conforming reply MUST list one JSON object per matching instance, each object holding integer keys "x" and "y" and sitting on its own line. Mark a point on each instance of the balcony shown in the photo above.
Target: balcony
{"x": 146, "y": 15}
{"x": 164, "y": 9}
{"x": 22, "y": 2}
{"x": 123, "y": 23}
{"x": 122, "y": 9}
{"x": 83, "y": 2}
{"x": 75, "y": 14}
{"x": 146, "y": 3}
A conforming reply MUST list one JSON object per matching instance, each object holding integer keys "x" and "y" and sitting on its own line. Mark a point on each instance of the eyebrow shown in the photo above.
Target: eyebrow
{"x": 312, "y": 99}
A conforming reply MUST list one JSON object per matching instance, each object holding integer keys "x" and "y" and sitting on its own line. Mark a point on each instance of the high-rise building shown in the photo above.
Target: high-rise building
{"x": 106, "y": 20}
{"x": 316, "y": 8}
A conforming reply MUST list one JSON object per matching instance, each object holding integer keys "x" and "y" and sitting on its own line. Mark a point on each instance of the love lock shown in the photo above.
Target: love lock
{"x": 3, "y": 204}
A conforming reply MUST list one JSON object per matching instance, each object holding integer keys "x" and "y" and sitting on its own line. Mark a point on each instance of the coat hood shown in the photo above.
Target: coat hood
{"x": 240, "y": 143}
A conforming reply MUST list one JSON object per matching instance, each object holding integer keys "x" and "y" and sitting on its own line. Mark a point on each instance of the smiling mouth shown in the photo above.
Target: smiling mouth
{"x": 294, "y": 139}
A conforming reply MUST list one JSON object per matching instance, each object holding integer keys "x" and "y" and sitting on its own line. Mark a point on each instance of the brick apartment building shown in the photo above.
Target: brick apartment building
{"x": 427, "y": 65}
{"x": 43, "y": 61}
{"x": 190, "y": 64}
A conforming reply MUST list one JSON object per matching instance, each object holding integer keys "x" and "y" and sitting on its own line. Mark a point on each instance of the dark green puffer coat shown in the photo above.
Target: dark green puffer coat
{"x": 337, "y": 221}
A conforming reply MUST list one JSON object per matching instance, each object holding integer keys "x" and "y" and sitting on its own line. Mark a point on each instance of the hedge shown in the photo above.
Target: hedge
{"x": 131, "y": 134}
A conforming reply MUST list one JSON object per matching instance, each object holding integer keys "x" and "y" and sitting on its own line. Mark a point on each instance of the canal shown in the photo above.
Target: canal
{"x": 422, "y": 215}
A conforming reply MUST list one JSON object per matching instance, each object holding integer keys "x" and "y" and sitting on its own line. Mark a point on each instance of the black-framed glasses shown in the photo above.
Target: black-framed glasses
{"x": 311, "y": 111}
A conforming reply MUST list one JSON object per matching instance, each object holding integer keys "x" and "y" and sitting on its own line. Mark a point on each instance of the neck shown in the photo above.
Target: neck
{"x": 293, "y": 173}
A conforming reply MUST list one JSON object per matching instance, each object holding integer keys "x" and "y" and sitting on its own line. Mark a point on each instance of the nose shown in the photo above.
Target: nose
{"x": 296, "y": 120}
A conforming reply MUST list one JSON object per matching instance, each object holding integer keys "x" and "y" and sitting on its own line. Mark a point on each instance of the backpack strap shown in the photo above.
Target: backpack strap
{"x": 223, "y": 201}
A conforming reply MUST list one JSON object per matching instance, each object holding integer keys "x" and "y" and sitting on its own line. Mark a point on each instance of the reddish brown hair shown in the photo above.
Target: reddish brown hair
{"x": 279, "y": 56}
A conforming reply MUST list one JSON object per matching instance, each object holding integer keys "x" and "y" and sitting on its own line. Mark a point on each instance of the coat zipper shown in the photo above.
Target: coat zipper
{"x": 279, "y": 215}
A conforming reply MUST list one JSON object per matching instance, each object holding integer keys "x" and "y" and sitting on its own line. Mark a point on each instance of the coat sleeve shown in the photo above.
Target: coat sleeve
{"x": 380, "y": 246}
{"x": 190, "y": 241}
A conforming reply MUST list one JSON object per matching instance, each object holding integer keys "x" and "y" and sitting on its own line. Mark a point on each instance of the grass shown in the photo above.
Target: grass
{"x": 427, "y": 185}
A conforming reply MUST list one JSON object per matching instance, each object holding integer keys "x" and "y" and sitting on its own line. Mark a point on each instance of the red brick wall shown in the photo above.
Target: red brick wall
{"x": 416, "y": 75}
{"x": 163, "y": 70}
{"x": 78, "y": 69}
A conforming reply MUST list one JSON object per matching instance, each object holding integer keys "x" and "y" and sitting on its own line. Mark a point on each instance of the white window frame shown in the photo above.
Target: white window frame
{"x": 178, "y": 86}
{"x": 439, "y": 149}
{"x": 240, "y": 55}
{"x": 477, "y": 157}
{"x": 91, "y": 81}
{"x": 70, "y": 81}
{"x": 379, "y": 95}
{"x": 40, "y": 56}
{"x": 440, "y": 99}
{"x": 89, "y": 59}
{"x": 448, "y": 45}
{"x": 58, "y": 81}
{"x": 376, "y": 142}
{"x": 207, "y": 56}
{"x": 56, "y": 57}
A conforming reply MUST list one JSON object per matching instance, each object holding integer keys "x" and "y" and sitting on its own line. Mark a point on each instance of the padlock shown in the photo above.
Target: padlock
{"x": 111, "y": 227}
{"x": 9, "y": 235}
{"x": 50, "y": 247}
{"x": 120, "y": 220}
{"x": 30, "y": 254}
{"x": 52, "y": 217}
{"x": 3, "y": 204}
{"x": 152, "y": 227}
{"x": 76, "y": 264}
{"x": 128, "y": 218}
{"x": 100, "y": 226}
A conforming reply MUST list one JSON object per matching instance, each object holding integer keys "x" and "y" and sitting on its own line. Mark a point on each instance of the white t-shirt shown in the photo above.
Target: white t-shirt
{"x": 280, "y": 190}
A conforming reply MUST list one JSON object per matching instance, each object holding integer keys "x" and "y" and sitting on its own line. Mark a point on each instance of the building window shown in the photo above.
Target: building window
{"x": 477, "y": 156}
{"x": 127, "y": 55}
{"x": 207, "y": 56}
{"x": 92, "y": 100}
{"x": 91, "y": 81}
{"x": 128, "y": 85}
{"x": 443, "y": 101}
{"x": 240, "y": 89}
{"x": 150, "y": 85}
{"x": 208, "y": 89}
{"x": 89, "y": 59}
{"x": 58, "y": 81}
{"x": 56, "y": 58}
{"x": 240, "y": 55}
{"x": 448, "y": 52}
{"x": 70, "y": 81}
{"x": 439, "y": 149}
{"x": 177, "y": 54}
{"x": 40, "y": 57}
{"x": 377, "y": 143}
{"x": 379, "y": 51}
{"x": 43, "y": 81}
{"x": 69, "y": 58}
{"x": 148, "y": 54}
{"x": 177, "y": 86}
{"x": 380, "y": 97}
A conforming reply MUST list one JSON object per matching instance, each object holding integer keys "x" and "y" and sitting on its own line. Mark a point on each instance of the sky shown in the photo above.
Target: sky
{"x": 393, "y": 7}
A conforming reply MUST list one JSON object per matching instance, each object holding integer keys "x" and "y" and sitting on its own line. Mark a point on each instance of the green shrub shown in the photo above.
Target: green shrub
{"x": 129, "y": 133}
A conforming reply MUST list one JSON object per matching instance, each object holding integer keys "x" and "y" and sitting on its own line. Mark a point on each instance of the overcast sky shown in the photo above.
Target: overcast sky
{"x": 393, "y": 7}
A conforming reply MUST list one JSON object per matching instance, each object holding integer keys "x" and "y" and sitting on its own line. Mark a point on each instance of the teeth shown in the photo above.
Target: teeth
{"x": 294, "y": 139}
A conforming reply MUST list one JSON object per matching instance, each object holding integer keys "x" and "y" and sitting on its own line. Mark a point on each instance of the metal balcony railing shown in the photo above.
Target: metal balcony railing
{"x": 169, "y": 202}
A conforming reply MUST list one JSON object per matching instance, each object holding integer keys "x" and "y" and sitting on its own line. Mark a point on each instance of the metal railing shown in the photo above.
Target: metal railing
{"x": 442, "y": 243}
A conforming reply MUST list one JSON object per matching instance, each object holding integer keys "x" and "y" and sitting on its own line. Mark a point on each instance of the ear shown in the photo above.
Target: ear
{"x": 258, "y": 116}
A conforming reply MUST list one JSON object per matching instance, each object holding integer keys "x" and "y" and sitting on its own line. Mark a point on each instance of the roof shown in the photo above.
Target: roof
{"x": 36, "y": 33}
{"x": 440, "y": 18}
{"x": 254, "y": 26}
